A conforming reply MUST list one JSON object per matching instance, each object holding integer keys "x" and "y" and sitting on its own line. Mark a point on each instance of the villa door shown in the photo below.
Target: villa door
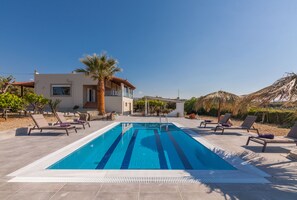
{"x": 91, "y": 95}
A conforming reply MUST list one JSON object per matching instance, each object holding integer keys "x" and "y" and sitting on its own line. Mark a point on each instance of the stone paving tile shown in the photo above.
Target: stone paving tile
{"x": 70, "y": 195}
{"x": 31, "y": 196}
{"x": 19, "y": 148}
{"x": 117, "y": 196}
{"x": 197, "y": 187}
{"x": 11, "y": 187}
{"x": 42, "y": 187}
{"x": 5, "y": 195}
{"x": 2, "y": 182}
{"x": 120, "y": 187}
{"x": 95, "y": 187}
{"x": 263, "y": 195}
{"x": 205, "y": 195}
{"x": 243, "y": 187}
{"x": 157, "y": 188}
{"x": 162, "y": 196}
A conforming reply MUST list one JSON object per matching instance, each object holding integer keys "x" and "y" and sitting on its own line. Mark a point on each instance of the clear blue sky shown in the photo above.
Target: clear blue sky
{"x": 163, "y": 45}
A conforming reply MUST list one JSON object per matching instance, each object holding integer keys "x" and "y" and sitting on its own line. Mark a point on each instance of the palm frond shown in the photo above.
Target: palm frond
{"x": 99, "y": 66}
{"x": 283, "y": 90}
{"x": 222, "y": 99}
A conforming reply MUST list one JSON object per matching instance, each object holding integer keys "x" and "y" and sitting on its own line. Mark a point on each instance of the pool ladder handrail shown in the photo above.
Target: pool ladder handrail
{"x": 126, "y": 127}
{"x": 165, "y": 124}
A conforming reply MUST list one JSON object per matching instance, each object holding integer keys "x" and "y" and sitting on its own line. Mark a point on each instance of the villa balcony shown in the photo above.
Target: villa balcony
{"x": 117, "y": 93}
{"x": 128, "y": 95}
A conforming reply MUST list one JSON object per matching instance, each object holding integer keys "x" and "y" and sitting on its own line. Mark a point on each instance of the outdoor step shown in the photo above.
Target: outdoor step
{"x": 90, "y": 105}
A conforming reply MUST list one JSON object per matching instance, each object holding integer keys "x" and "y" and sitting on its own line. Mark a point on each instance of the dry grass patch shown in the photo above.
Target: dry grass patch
{"x": 20, "y": 121}
{"x": 263, "y": 128}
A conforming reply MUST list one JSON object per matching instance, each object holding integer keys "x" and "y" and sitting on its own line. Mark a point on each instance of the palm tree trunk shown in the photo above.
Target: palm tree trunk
{"x": 100, "y": 96}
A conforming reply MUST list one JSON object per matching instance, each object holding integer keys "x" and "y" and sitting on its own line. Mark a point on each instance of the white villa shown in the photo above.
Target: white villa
{"x": 77, "y": 89}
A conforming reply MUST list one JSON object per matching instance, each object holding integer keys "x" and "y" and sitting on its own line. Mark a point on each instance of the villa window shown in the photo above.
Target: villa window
{"x": 61, "y": 90}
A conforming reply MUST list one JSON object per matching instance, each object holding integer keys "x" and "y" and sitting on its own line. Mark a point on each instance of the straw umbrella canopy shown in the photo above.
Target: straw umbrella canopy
{"x": 220, "y": 100}
{"x": 284, "y": 90}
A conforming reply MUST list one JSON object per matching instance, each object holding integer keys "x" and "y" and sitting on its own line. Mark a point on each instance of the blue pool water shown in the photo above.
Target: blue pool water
{"x": 143, "y": 146}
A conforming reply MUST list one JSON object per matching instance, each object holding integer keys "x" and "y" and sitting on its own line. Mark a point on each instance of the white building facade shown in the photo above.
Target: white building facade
{"x": 77, "y": 89}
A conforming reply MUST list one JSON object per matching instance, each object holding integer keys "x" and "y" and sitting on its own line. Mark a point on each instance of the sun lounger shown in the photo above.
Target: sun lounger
{"x": 224, "y": 120}
{"x": 41, "y": 124}
{"x": 291, "y": 137}
{"x": 63, "y": 120}
{"x": 247, "y": 124}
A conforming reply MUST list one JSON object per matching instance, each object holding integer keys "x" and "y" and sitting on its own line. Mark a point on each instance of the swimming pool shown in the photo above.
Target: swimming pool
{"x": 142, "y": 146}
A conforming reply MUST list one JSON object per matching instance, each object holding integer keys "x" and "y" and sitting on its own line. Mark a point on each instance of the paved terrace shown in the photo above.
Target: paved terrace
{"x": 18, "y": 150}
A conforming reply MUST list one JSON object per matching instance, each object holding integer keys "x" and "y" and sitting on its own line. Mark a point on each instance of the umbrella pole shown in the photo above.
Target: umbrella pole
{"x": 219, "y": 112}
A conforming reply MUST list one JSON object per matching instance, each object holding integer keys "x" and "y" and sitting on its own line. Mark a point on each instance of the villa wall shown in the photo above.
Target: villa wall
{"x": 113, "y": 103}
{"x": 44, "y": 82}
{"x": 127, "y": 106}
{"x": 179, "y": 109}
{"x": 120, "y": 105}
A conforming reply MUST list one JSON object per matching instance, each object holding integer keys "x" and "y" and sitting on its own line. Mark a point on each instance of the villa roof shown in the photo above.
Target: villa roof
{"x": 113, "y": 79}
{"x": 24, "y": 84}
{"x": 124, "y": 81}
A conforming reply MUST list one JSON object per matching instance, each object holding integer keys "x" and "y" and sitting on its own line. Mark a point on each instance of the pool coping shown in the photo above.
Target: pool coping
{"x": 38, "y": 172}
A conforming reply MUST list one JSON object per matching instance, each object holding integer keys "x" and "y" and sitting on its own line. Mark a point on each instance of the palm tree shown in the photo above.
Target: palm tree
{"x": 220, "y": 100}
{"x": 100, "y": 68}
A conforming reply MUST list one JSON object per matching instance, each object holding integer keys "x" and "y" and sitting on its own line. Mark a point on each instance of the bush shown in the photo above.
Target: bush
{"x": 11, "y": 101}
{"x": 190, "y": 105}
{"x": 265, "y": 115}
{"x": 212, "y": 112}
{"x": 53, "y": 104}
{"x": 38, "y": 102}
{"x": 275, "y": 116}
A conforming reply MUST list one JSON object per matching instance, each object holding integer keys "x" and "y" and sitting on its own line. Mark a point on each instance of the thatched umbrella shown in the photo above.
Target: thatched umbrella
{"x": 220, "y": 100}
{"x": 284, "y": 90}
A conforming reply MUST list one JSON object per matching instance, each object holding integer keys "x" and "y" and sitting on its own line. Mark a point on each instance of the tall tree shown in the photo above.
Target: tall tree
{"x": 100, "y": 68}
{"x": 5, "y": 83}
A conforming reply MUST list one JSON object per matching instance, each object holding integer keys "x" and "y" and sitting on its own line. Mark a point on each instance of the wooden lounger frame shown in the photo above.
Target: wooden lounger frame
{"x": 53, "y": 128}
{"x": 291, "y": 138}
{"x": 73, "y": 123}
{"x": 225, "y": 119}
{"x": 246, "y": 125}
{"x": 265, "y": 141}
{"x": 36, "y": 127}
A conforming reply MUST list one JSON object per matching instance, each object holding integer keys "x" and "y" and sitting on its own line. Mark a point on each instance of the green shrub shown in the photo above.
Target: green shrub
{"x": 53, "y": 104}
{"x": 38, "y": 102}
{"x": 190, "y": 105}
{"x": 266, "y": 115}
{"x": 212, "y": 112}
{"x": 11, "y": 101}
{"x": 271, "y": 115}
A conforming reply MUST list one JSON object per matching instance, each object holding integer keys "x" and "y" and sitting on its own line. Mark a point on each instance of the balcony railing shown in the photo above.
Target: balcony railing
{"x": 128, "y": 95}
{"x": 118, "y": 93}
{"x": 113, "y": 93}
